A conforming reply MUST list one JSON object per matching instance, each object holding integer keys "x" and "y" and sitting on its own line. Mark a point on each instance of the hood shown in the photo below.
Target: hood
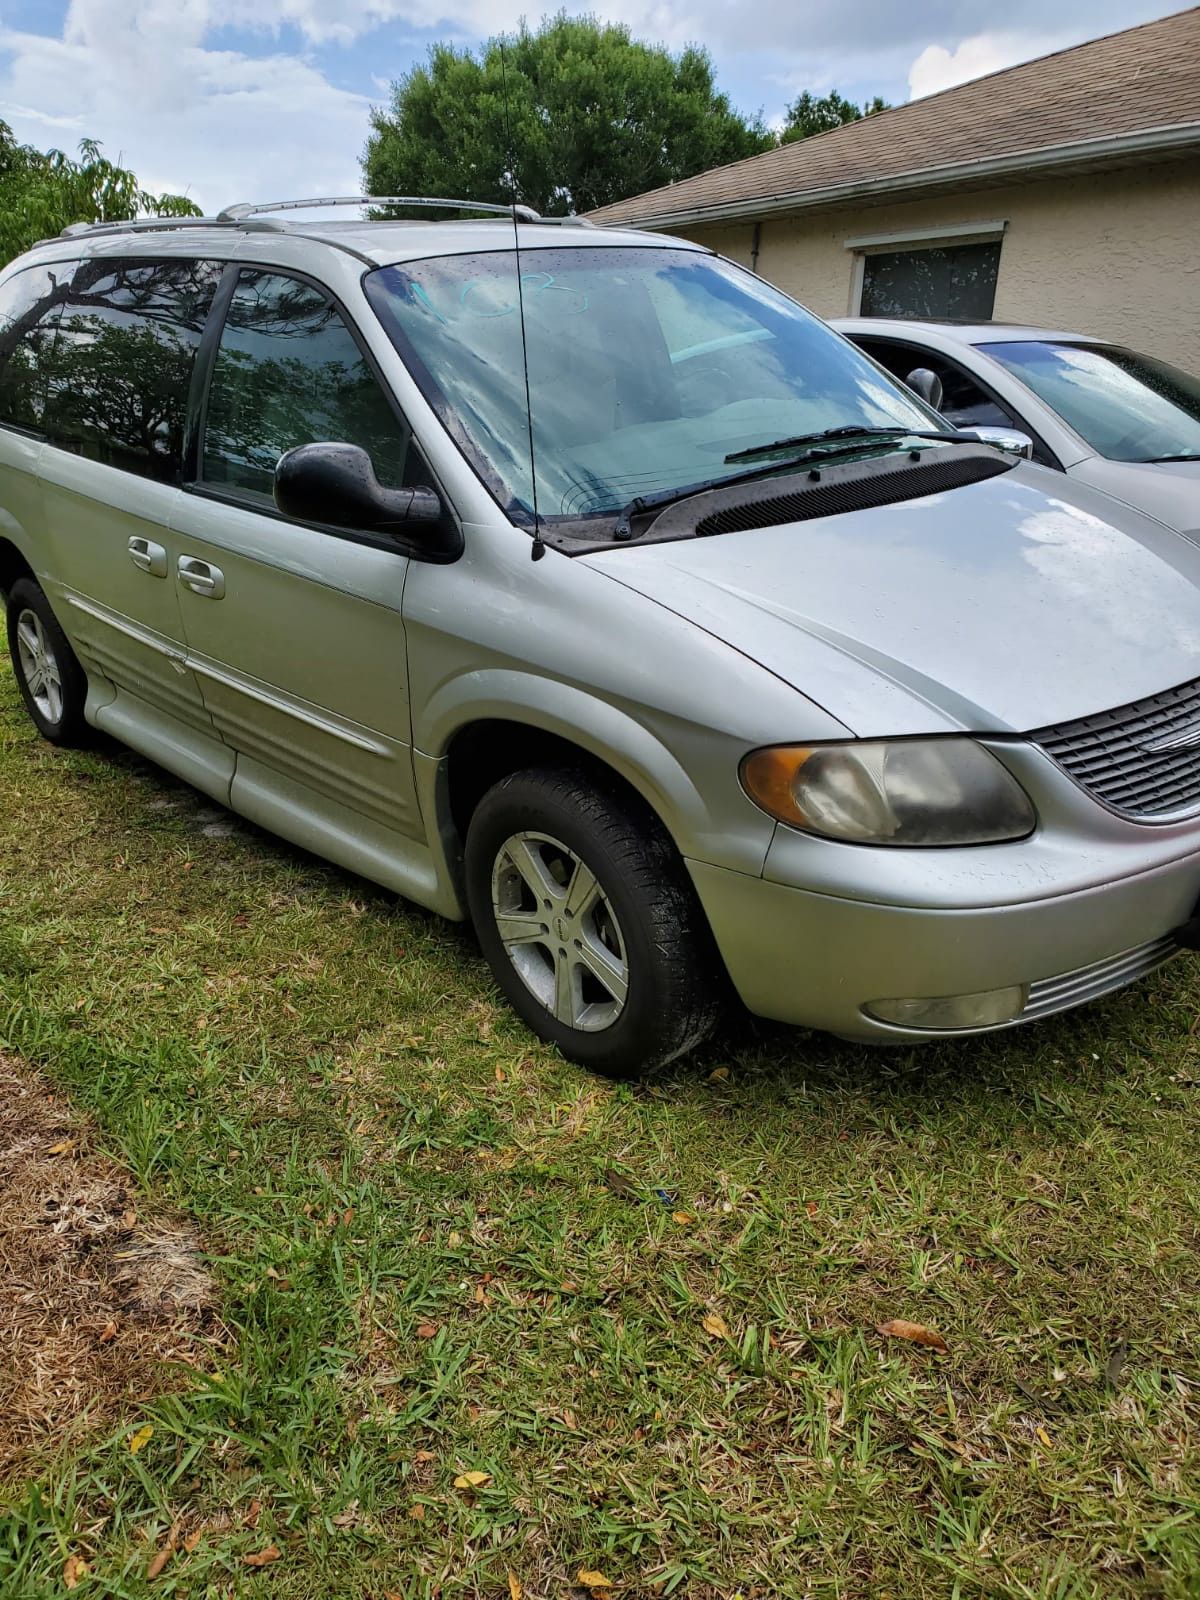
{"x": 1168, "y": 490}
{"x": 998, "y": 607}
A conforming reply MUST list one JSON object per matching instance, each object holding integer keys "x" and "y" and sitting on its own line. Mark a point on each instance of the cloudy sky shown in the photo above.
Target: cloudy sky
{"x": 257, "y": 99}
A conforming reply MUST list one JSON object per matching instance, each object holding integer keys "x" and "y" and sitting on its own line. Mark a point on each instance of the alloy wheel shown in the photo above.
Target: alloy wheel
{"x": 560, "y": 931}
{"x": 39, "y": 666}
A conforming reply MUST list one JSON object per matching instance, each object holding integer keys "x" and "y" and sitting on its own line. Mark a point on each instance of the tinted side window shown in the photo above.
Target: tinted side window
{"x": 289, "y": 372}
{"x": 122, "y": 364}
{"x": 29, "y": 304}
{"x": 963, "y": 401}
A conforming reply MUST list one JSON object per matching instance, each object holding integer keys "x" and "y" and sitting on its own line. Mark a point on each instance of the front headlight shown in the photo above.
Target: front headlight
{"x": 896, "y": 791}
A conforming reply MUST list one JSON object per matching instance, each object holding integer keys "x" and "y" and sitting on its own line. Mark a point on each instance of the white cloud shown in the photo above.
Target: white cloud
{"x": 937, "y": 68}
{"x": 225, "y": 125}
{"x": 220, "y": 124}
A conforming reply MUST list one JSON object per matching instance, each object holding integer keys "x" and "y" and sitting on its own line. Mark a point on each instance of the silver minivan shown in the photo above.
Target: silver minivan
{"x": 579, "y": 582}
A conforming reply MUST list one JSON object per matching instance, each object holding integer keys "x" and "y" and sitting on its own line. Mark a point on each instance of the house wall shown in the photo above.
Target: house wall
{"x": 1112, "y": 254}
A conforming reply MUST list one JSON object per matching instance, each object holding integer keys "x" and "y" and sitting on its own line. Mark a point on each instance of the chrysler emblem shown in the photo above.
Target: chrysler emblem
{"x": 1185, "y": 738}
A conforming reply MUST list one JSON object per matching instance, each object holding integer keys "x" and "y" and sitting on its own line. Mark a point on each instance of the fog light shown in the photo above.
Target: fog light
{"x": 986, "y": 1010}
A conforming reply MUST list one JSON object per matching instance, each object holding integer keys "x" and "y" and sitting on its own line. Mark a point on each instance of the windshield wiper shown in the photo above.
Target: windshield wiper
{"x": 825, "y": 446}
{"x": 1154, "y": 461}
{"x": 847, "y": 431}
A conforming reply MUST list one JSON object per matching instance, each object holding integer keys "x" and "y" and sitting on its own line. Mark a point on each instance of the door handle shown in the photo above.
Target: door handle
{"x": 148, "y": 557}
{"x": 201, "y": 577}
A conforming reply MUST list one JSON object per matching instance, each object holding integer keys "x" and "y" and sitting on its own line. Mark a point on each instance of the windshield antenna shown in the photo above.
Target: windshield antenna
{"x": 539, "y": 545}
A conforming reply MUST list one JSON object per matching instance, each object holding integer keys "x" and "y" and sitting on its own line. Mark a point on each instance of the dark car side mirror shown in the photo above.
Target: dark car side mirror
{"x": 926, "y": 383}
{"x": 336, "y": 484}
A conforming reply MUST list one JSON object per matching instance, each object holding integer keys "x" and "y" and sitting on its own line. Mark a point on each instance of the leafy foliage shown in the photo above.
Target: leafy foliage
{"x": 594, "y": 115}
{"x": 42, "y": 191}
{"x": 809, "y": 114}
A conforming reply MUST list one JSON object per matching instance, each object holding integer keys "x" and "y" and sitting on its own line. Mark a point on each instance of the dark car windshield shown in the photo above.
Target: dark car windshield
{"x": 1128, "y": 407}
{"x": 648, "y": 366}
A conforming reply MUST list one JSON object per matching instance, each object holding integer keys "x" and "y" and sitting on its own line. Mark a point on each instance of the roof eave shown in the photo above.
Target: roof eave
{"x": 1079, "y": 155}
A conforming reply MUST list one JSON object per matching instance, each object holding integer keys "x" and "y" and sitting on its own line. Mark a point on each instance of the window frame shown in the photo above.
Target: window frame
{"x": 899, "y": 342}
{"x": 197, "y": 417}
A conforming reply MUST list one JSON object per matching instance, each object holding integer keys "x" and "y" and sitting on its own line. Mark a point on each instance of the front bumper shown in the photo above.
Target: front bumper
{"x": 816, "y": 959}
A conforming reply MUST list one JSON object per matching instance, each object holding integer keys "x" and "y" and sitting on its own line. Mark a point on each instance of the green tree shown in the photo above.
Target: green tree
{"x": 42, "y": 191}
{"x": 594, "y": 116}
{"x": 809, "y": 114}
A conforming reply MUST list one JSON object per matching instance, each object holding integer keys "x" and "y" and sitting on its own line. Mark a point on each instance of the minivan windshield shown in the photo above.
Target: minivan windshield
{"x": 648, "y": 367}
{"x": 1128, "y": 407}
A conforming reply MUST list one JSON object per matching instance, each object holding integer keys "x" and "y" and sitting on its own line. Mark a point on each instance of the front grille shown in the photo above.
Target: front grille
{"x": 1102, "y": 977}
{"x": 1142, "y": 759}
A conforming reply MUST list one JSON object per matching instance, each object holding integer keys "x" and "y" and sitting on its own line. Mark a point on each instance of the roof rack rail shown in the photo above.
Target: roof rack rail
{"x": 246, "y": 215}
{"x": 136, "y": 225}
{"x": 239, "y": 213}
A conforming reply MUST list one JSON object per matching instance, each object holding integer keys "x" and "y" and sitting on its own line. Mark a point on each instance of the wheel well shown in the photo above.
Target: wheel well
{"x": 484, "y": 752}
{"x": 13, "y": 565}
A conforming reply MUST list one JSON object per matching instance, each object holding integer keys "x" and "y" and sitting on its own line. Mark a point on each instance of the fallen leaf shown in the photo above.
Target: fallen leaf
{"x": 109, "y": 1332}
{"x": 500, "y": 1079}
{"x": 472, "y": 1480}
{"x": 417, "y": 1512}
{"x": 74, "y": 1568}
{"x": 426, "y": 1330}
{"x": 620, "y": 1184}
{"x": 193, "y": 1539}
{"x": 62, "y": 1148}
{"x": 718, "y": 1075}
{"x": 591, "y": 1580}
{"x": 682, "y": 1218}
{"x": 263, "y": 1558}
{"x": 1116, "y": 1360}
{"x": 914, "y": 1331}
{"x": 347, "y": 1216}
{"x": 423, "y": 1455}
{"x": 454, "y": 1240}
{"x": 1045, "y": 1438}
{"x": 140, "y": 1439}
{"x": 250, "y": 1520}
{"x": 160, "y": 1560}
{"x": 811, "y": 1207}
{"x": 514, "y": 1587}
{"x": 715, "y": 1324}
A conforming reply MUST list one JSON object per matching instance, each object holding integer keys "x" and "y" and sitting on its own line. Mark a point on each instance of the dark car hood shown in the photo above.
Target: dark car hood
{"x": 998, "y": 607}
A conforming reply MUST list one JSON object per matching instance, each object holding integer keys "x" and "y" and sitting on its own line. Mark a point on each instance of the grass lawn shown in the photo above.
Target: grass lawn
{"x": 647, "y": 1315}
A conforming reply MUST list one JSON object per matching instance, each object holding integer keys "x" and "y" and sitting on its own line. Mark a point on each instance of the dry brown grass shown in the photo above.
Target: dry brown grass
{"x": 95, "y": 1301}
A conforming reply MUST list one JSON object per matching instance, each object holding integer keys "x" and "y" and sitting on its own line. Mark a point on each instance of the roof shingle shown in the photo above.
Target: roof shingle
{"x": 1141, "y": 79}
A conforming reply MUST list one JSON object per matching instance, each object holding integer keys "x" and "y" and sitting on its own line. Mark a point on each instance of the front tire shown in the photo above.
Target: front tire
{"x": 589, "y": 923}
{"x": 53, "y": 685}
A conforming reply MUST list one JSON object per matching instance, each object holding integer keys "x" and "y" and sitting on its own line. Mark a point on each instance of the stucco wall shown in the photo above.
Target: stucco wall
{"x": 1115, "y": 254}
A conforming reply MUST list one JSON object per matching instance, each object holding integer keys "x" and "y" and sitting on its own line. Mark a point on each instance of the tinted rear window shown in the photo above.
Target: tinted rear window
{"x": 122, "y": 362}
{"x": 29, "y": 306}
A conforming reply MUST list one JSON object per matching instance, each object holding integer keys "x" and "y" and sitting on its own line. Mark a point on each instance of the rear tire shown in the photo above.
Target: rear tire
{"x": 589, "y": 923}
{"x": 53, "y": 685}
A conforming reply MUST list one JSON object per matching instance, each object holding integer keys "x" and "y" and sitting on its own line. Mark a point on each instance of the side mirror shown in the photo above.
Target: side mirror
{"x": 336, "y": 483}
{"x": 922, "y": 381}
{"x": 1012, "y": 442}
